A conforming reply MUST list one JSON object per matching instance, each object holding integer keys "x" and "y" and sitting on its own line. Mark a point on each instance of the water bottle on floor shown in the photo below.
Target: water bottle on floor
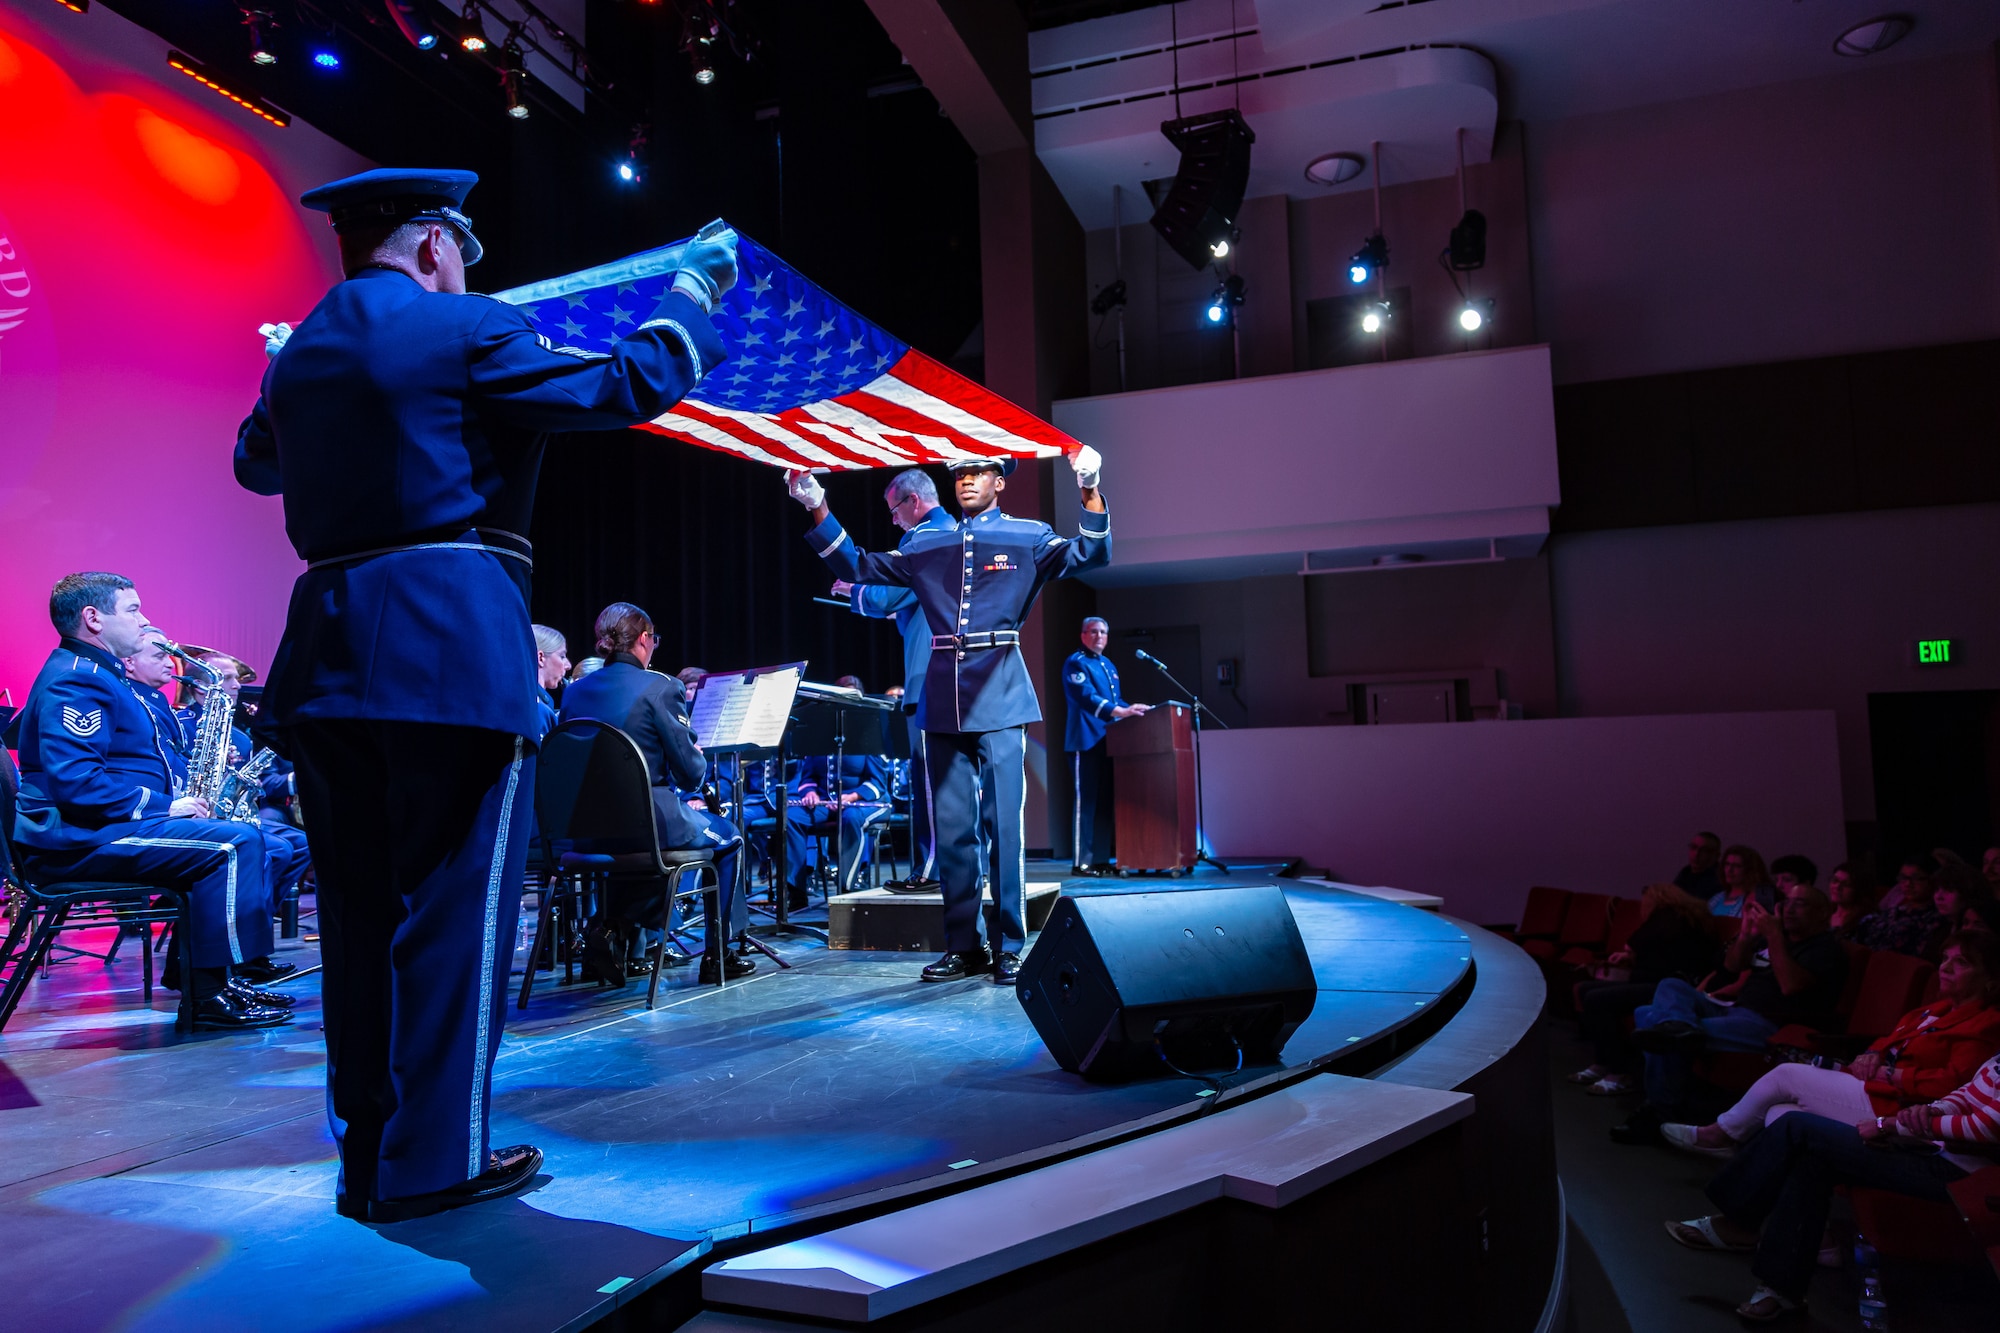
{"x": 1874, "y": 1305}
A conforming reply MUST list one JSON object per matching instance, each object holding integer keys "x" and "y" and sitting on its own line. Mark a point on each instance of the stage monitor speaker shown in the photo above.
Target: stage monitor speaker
{"x": 1122, "y": 985}
{"x": 1200, "y": 206}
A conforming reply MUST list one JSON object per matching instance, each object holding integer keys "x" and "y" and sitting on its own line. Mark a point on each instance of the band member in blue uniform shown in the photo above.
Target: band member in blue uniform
{"x": 97, "y": 799}
{"x": 404, "y": 424}
{"x": 975, "y": 585}
{"x": 289, "y": 853}
{"x": 1090, "y": 687}
{"x": 551, "y": 670}
{"x": 149, "y": 672}
{"x": 650, "y": 707}
{"x": 863, "y": 803}
{"x": 913, "y": 506}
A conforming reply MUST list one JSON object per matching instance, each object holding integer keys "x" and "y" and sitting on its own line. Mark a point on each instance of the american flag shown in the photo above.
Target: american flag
{"x": 809, "y": 383}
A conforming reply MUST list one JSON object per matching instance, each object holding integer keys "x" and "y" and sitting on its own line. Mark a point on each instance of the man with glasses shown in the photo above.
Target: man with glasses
{"x": 1699, "y": 877}
{"x": 404, "y": 424}
{"x": 913, "y": 506}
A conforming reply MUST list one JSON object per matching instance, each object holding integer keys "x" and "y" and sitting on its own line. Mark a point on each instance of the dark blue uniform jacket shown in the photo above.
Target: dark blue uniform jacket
{"x": 865, "y": 773}
{"x": 1090, "y": 685}
{"x": 92, "y": 761}
{"x": 982, "y": 576}
{"x": 651, "y": 708}
{"x": 883, "y": 601}
{"x": 397, "y": 417}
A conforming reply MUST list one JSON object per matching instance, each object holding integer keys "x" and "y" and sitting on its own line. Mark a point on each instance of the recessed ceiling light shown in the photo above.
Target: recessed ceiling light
{"x": 1877, "y": 34}
{"x": 1334, "y": 168}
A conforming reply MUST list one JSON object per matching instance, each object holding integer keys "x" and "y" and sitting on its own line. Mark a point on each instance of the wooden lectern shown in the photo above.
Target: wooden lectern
{"x": 1152, "y": 777}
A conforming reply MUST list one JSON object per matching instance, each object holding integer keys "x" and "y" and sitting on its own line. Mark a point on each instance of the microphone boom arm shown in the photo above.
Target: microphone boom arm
{"x": 1193, "y": 698}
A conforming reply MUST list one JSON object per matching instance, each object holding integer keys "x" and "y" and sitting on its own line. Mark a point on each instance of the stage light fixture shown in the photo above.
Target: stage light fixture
{"x": 1109, "y": 299}
{"x": 471, "y": 33}
{"x": 1228, "y": 295}
{"x": 1217, "y": 311}
{"x": 626, "y": 173}
{"x": 1877, "y": 34}
{"x": 1220, "y": 249}
{"x": 1375, "y": 318}
{"x": 203, "y": 75}
{"x": 255, "y": 21}
{"x": 75, "y": 6}
{"x": 1370, "y": 259}
{"x": 410, "y": 21}
{"x": 704, "y": 73}
{"x": 326, "y": 59}
{"x": 1467, "y": 250}
{"x": 514, "y": 68}
{"x": 1474, "y": 315}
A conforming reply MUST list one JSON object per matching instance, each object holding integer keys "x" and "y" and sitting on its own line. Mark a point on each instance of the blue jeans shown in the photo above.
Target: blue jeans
{"x": 1728, "y": 1028}
{"x": 1783, "y": 1181}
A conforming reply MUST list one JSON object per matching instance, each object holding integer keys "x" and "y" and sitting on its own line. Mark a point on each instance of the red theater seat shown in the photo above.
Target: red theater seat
{"x": 1541, "y": 920}
{"x": 1624, "y": 920}
{"x": 1978, "y": 1200}
{"x": 1915, "y": 1230}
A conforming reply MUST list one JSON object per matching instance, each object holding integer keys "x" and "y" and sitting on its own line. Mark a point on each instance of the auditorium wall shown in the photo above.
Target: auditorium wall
{"x": 149, "y": 229}
{"x": 1477, "y": 814}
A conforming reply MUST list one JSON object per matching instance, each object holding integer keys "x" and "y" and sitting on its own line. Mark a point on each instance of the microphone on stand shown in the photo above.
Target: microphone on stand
{"x": 1145, "y": 656}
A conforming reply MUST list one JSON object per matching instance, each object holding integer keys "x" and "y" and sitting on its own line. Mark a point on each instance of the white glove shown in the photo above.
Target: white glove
{"x": 274, "y": 336}
{"x": 1087, "y": 464}
{"x": 708, "y": 267}
{"x": 805, "y": 488}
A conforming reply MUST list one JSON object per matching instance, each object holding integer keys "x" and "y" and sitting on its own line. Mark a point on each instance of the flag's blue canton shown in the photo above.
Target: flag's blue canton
{"x": 789, "y": 342}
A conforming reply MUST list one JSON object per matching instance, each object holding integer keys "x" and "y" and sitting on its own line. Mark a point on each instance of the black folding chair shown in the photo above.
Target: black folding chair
{"x": 594, "y": 802}
{"x": 48, "y": 907}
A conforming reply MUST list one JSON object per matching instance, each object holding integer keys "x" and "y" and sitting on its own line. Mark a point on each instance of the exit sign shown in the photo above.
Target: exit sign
{"x": 1933, "y": 652}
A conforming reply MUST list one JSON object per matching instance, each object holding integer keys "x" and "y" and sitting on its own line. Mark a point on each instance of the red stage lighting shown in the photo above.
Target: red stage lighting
{"x": 200, "y": 73}
{"x": 75, "y": 6}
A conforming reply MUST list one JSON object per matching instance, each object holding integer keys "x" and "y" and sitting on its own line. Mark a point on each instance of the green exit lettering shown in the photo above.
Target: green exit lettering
{"x": 1933, "y": 652}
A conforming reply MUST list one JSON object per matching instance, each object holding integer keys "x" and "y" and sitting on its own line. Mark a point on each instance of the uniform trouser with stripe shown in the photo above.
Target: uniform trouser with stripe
{"x": 418, "y": 836}
{"x": 1090, "y": 830}
{"x": 857, "y": 842}
{"x": 219, "y": 863}
{"x": 959, "y": 762}
{"x": 286, "y": 853}
{"x": 923, "y": 843}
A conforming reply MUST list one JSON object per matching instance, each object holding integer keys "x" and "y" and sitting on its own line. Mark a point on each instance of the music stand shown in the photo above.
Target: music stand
{"x": 750, "y": 711}
{"x": 829, "y": 718}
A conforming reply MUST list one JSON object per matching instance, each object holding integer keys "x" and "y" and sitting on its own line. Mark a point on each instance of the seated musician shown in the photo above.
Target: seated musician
{"x": 863, "y": 802}
{"x": 551, "y": 670}
{"x": 651, "y": 708}
{"x": 284, "y": 841}
{"x": 97, "y": 803}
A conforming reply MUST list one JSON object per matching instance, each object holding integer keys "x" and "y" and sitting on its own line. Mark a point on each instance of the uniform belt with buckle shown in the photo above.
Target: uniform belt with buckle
{"x": 999, "y": 638}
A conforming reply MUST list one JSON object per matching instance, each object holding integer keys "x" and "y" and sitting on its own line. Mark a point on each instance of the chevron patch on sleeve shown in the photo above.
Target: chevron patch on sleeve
{"x": 80, "y": 723}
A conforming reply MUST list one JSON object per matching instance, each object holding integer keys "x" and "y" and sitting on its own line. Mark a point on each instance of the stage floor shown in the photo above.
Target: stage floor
{"x": 153, "y": 1182}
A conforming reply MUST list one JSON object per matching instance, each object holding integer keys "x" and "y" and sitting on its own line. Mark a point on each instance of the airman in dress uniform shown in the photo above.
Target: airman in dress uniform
{"x": 913, "y": 506}
{"x": 404, "y": 424}
{"x": 97, "y": 799}
{"x": 975, "y": 586}
{"x": 1090, "y": 686}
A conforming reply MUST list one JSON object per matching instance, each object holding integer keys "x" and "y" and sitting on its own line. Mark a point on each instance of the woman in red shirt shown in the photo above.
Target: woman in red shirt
{"x": 1932, "y": 1050}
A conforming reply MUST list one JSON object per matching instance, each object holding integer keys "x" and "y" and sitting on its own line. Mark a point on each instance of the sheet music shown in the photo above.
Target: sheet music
{"x": 745, "y": 710}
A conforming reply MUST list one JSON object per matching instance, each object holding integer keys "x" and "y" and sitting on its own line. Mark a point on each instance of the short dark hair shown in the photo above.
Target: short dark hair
{"x": 1800, "y": 868}
{"x": 73, "y": 592}
{"x": 363, "y": 246}
{"x": 1981, "y": 948}
{"x": 619, "y": 626}
{"x": 1715, "y": 838}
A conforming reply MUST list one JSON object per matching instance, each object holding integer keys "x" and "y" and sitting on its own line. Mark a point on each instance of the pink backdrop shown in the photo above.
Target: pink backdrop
{"x": 147, "y": 232}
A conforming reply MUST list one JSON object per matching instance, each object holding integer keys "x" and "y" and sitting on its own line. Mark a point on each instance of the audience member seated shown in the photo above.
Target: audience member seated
{"x": 649, "y": 706}
{"x": 1776, "y": 1193}
{"x": 1791, "y": 970}
{"x": 1699, "y": 876}
{"x": 1788, "y": 871}
{"x": 1675, "y": 937}
{"x": 1905, "y": 921}
{"x": 1852, "y": 893}
{"x": 1962, "y": 902}
{"x": 1744, "y": 881}
{"x": 1932, "y": 1050}
{"x": 1989, "y": 867}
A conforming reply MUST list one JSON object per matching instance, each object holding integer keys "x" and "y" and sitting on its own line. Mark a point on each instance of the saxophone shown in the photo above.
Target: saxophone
{"x": 231, "y": 795}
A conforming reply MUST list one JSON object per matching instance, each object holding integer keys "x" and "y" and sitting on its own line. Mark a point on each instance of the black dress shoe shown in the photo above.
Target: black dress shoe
{"x": 1672, "y": 1037}
{"x": 227, "y": 1011}
{"x": 958, "y": 966}
{"x": 734, "y": 965}
{"x": 1006, "y": 967}
{"x": 508, "y": 1169}
{"x": 796, "y": 899}
{"x": 262, "y": 971}
{"x": 604, "y": 958}
{"x": 268, "y": 999}
{"x": 913, "y": 885}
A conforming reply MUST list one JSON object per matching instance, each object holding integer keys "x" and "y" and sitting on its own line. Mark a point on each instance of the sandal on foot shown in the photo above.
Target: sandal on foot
{"x": 1699, "y": 1233}
{"x": 1587, "y": 1076}
{"x": 1687, "y": 1139}
{"x": 1766, "y": 1306}
{"x": 1611, "y": 1085}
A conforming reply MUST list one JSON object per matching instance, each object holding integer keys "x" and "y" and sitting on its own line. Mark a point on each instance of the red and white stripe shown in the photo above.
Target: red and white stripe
{"x": 919, "y": 411}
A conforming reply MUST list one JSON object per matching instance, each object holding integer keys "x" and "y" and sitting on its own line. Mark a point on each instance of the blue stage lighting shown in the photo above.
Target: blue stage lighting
{"x": 1370, "y": 259}
{"x": 1216, "y": 311}
{"x": 326, "y": 59}
{"x": 626, "y": 173}
{"x": 426, "y": 41}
